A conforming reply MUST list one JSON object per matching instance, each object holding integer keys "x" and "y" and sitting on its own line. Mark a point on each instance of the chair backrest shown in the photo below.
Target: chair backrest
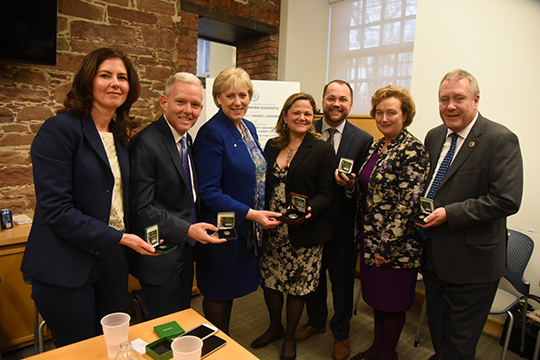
{"x": 518, "y": 253}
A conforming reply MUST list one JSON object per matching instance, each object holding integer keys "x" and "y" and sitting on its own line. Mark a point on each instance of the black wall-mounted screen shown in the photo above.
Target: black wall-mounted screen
{"x": 28, "y": 31}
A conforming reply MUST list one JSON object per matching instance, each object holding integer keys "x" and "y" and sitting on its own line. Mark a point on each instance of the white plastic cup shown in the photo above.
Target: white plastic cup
{"x": 187, "y": 348}
{"x": 115, "y": 330}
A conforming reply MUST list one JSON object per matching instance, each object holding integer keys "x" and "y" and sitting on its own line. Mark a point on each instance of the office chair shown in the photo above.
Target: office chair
{"x": 518, "y": 253}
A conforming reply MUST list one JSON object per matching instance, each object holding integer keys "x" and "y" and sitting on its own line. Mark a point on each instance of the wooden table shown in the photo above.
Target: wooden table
{"x": 16, "y": 306}
{"x": 95, "y": 349}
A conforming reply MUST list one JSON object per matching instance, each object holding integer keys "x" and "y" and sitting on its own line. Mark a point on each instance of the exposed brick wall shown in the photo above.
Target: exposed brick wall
{"x": 159, "y": 38}
{"x": 259, "y": 57}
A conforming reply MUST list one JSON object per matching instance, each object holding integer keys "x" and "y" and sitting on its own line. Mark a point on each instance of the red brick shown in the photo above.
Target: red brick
{"x": 80, "y": 9}
{"x": 62, "y": 24}
{"x": 157, "y": 73}
{"x": 158, "y": 38}
{"x": 190, "y": 24}
{"x": 17, "y": 206}
{"x": 124, "y": 3}
{"x": 9, "y": 93}
{"x": 61, "y": 92}
{"x": 68, "y": 61}
{"x": 88, "y": 30}
{"x": 34, "y": 113}
{"x": 132, "y": 15}
{"x": 16, "y": 176}
{"x": 16, "y": 139}
{"x": 30, "y": 77}
{"x": 35, "y": 127}
{"x": 14, "y": 128}
{"x": 157, "y": 6}
{"x": 18, "y": 157}
{"x": 6, "y": 115}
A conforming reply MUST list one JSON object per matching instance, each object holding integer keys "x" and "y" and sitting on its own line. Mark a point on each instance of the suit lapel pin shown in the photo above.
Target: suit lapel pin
{"x": 234, "y": 145}
{"x": 471, "y": 144}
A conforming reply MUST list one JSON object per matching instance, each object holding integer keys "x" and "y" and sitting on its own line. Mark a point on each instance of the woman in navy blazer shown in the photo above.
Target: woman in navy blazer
{"x": 231, "y": 169}
{"x": 300, "y": 162}
{"x": 79, "y": 270}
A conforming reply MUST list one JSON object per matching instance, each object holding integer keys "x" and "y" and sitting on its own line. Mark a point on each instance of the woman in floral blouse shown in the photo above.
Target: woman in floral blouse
{"x": 389, "y": 187}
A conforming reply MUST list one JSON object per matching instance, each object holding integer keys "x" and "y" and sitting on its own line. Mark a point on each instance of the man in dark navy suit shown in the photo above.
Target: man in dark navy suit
{"x": 339, "y": 254}
{"x": 164, "y": 192}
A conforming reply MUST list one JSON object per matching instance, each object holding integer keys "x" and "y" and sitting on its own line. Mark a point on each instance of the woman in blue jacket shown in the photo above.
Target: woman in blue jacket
{"x": 231, "y": 169}
{"x": 76, "y": 250}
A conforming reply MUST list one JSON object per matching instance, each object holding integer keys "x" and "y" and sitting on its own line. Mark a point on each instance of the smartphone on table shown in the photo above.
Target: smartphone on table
{"x": 206, "y": 332}
{"x": 202, "y": 331}
{"x": 211, "y": 344}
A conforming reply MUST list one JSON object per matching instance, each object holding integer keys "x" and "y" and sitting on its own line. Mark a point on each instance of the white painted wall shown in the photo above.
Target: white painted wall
{"x": 303, "y": 41}
{"x": 221, "y": 57}
{"x": 498, "y": 41}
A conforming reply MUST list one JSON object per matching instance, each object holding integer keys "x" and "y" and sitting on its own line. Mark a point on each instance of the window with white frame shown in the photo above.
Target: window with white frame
{"x": 203, "y": 58}
{"x": 371, "y": 46}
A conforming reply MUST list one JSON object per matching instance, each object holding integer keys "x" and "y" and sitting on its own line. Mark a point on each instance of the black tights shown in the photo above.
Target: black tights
{"x": 388, "y": 326}
{"x": 218, "y": 313}
{"x": 295, "y": 306}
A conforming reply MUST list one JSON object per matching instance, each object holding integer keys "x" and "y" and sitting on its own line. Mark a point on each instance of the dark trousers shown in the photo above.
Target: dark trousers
{"x": 340, "y": 263}
{"x": 74, "y": 314}
{"x": 175, "y": 294}
{"x": 456, "y": 313}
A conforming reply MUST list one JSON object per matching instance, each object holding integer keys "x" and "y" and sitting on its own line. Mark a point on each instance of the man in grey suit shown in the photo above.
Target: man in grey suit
{"x": 164, "y": 192}
{"x": 339, "y": 254}
{"x": 476, "y": 182}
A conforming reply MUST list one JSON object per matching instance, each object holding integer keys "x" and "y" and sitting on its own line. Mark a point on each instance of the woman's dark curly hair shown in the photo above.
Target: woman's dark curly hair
{"x": 79, "y": 100}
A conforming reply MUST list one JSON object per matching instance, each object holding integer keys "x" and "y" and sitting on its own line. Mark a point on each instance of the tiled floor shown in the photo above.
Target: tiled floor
{"x": 250, "y": 319}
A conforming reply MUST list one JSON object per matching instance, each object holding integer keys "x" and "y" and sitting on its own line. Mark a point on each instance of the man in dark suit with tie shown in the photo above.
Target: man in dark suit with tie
{"x": 339, "y": 254}
{"x": 164, "y": 192}
{"x": 476, "y": 182}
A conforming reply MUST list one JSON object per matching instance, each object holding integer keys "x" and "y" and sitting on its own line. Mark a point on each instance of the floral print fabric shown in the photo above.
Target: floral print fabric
{"x": 392, "y": 197}
{"x": 285, "y": 268}
{"x": 259, "y": 160}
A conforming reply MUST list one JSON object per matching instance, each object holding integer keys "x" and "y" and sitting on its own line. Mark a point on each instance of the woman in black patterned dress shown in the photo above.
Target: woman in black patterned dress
{"x": 290, "y": 259}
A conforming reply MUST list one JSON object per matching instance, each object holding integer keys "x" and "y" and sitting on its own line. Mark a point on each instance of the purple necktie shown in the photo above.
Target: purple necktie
{"x": 187, "y": 174}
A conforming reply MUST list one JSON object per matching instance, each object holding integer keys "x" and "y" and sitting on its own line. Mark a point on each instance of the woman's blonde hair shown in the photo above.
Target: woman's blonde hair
{"x": 237, "y": 78}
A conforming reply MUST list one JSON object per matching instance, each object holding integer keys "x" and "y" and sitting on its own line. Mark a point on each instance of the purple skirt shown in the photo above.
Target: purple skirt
{"x": 387, "y": 289}
{"x": 384, "y": 289}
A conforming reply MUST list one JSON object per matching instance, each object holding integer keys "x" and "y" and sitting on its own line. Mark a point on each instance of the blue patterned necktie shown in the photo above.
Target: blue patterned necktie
{"x": 441, "y": 173}
{"x": 187, "y": 173}
{"x": 443, "y": 168}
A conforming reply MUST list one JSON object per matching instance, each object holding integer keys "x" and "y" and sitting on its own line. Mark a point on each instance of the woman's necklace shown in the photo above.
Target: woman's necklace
{"x": 290, "y": 154}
